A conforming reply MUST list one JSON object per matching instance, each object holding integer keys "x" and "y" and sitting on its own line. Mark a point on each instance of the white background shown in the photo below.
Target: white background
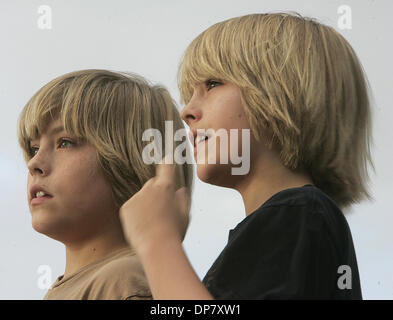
{"x": 149, "y": 37}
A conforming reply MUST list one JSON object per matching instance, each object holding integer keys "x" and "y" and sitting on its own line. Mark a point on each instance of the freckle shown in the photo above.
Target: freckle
{"x": 240, "y": 115}
{"x": 94, "y": 249}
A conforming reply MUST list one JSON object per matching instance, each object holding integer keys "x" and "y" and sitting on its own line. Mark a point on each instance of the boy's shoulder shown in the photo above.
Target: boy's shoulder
{"x": 311, "y": 207}
{"x": 308, "y": 195}
{"x": 116, "y": 277}
{"x": 125, "y": 260}
{"x": 299, "y": 232}
{"x": 294, "y": 211}
{"x": 120, "y": 275}
{"x": 307, "y": 204}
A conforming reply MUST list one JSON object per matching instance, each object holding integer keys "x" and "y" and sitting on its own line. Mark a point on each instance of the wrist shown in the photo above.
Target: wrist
{"x": 156, "y": 245}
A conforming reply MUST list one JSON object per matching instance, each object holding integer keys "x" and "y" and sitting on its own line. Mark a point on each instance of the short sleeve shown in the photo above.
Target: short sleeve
{"x": 282, "y": 253}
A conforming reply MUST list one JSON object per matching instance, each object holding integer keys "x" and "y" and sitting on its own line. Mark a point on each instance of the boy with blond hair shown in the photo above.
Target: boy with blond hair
{"x": 81, "y": 136}
{"x": 299, "y": 87}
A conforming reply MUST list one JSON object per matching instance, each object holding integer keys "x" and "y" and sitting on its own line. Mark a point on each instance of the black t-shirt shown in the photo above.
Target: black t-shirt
{"x": 291, "y": 247}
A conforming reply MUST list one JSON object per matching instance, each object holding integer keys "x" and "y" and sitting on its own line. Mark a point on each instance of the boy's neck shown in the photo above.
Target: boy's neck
{"x": 83, "y": 253}
{"x": 264, "y": 181}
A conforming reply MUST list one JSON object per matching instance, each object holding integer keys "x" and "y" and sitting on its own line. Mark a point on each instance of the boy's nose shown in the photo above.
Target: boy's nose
{"x": 191, "y": 112}
{"x": 34, "y": 169}
{"x": 36, "y": 165}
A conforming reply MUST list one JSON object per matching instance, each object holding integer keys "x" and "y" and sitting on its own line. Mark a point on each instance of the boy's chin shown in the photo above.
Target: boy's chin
{"x": 215, "y": 174}
{"x": 46, "y": 224}
{"x": 42, "y": 226}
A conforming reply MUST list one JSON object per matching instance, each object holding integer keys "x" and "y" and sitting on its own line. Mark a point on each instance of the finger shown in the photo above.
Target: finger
{"x": 165, "y": 170}
{"x": 170, "y": 172}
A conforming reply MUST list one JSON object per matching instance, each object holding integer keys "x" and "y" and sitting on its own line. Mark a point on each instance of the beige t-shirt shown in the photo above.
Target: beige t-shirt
{"x": 118, "y": 276}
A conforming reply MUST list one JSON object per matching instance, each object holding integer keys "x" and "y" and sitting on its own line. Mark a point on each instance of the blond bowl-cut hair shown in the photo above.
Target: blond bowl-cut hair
{"x": 110, "y": 110}
{"x": 302, "y": 82}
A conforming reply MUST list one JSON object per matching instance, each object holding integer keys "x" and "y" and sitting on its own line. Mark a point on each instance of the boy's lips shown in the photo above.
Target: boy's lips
{"x": 37, "y": 201}
{"x": 193, "y": 136}
{"x": 35, "y": 188}
{"x": 199, "y": 145}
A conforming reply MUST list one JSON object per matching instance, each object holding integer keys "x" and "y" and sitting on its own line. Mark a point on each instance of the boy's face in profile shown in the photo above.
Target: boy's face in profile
{"x": 80, "y": 204}
{"x": 216, "y": 105}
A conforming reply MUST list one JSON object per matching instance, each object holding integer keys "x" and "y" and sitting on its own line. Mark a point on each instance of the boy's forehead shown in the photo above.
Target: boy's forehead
{"x": 54, "y": 126}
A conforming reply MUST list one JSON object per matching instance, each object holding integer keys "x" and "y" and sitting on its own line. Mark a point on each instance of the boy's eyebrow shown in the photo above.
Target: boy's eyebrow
{"x": 54, "y": 130}
{"x": 57, "y": 129}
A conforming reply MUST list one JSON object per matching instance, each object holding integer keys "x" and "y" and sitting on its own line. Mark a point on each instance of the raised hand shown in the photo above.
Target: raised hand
{"x": 159, "y": 211}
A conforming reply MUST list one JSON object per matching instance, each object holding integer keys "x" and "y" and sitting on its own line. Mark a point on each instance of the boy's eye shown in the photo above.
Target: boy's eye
{"x": 32, "y": 151}
{"x": 210, "y": 84}
{"x": 61, "y": 141}
{"x": 64, "y": 140}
